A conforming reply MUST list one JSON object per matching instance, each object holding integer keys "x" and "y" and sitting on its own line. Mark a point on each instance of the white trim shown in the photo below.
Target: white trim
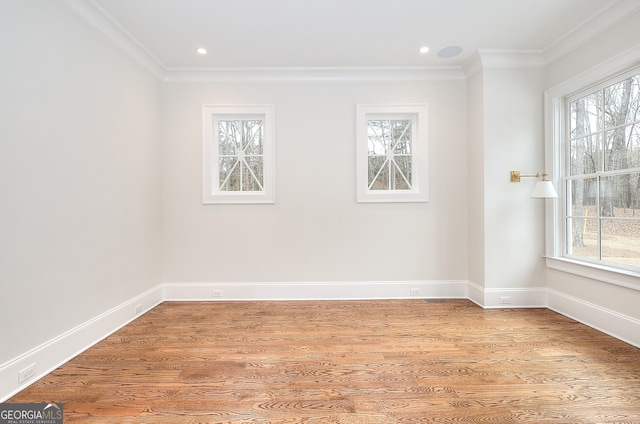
{"x": 211, "y": 194}
{"x": 553, "y": 110}
{"x": 472, "y": 66}
{"x": 620, "y": 326}
{"x": 502, "y": 59}
{"x": 476, "y": 294}
{"x": 595, "y": 74}
{"x": 619, "y": 277}
{"x": 96, "y": 17}
{"x": 327, "y": 74}
{"x": 347, "y": 290}
{"x": 489, "y": 298}
{"x": 492, "y": 58}
{"x": 533, "y": 297}
{"x": 554, "y": 219}
{"x": 62, "y": 348}
{"x": 419, "y": 191}
{"x": 598, "y": 23}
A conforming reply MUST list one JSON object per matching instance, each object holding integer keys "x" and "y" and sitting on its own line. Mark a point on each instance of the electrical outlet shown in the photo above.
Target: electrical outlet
{"x": 137, "y": 310}
{"x": 217, "y": 293}
{"x": 27, "y": 373}
{"x": 414, "y": 292}
{"x": 505, "y": 300}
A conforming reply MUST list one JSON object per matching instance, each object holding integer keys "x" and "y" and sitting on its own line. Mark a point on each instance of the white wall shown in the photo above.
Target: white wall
{"x": 79, "y": 175}
{"x": 316, "y": 232}
{"x": 505, "y": 133}
{"x": 589, "y": 57}
{"x": 100, "y": 183}
{"x": 514, "y": 140}
{"x": 475, "y": 215}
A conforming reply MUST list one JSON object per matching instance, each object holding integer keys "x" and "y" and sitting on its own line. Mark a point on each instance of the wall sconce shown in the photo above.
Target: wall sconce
{"x": 543, "y": 189}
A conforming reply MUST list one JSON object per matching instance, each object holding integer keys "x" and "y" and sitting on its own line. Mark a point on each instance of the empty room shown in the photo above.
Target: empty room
{"x": 305, "y": 211}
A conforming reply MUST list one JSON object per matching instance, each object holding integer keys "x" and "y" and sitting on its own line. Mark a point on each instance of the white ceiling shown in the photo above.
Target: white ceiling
{"x": 345, "y": 33}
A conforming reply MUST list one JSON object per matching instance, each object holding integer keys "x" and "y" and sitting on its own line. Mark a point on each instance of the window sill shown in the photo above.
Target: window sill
{"x": 619, "y": 277}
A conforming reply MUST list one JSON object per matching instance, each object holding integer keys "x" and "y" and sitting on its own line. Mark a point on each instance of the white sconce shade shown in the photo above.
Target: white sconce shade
{"x": 544, "y": 190}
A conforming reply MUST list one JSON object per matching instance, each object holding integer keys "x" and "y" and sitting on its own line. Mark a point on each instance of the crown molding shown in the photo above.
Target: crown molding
{"x": 96, "y": 17}
{"x": 472, "y": 66}
{"x": 337, "y": 74}
{"x": 511, "y": 58}
{"x": 99, "y": 19}
{"x": 502, "y": 59}
{"x": 591, "y": 28}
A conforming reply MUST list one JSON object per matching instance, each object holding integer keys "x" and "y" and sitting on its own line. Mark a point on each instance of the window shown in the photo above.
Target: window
{"x": 602, "y": 174}
{"x": 392, "y": 153}
{"x": 238, "y": 154}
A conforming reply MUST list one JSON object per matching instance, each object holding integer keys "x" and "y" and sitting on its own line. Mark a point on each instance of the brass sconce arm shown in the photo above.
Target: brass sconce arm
{"x": 516, "y": 175}
{"x": 543, "y": 189}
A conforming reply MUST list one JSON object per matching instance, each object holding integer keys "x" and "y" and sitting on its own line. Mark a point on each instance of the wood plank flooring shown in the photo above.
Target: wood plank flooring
{"x": 348, "y": 362}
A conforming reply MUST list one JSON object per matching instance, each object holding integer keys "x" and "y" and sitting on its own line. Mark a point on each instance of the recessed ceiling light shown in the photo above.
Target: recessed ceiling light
{"x": 449, "y": 52}
{"x": 201, "y": 50}
{"x": 424, "y": 49}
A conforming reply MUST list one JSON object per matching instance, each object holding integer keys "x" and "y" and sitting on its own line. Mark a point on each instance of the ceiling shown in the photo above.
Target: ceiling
{"x": 343, "y": 33}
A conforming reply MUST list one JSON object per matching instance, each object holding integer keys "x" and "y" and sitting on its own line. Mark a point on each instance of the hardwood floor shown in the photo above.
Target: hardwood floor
{"x": 348, "y": 362}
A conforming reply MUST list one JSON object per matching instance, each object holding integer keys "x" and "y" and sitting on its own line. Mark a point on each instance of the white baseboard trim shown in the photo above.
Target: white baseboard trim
{"x": 349, "y": 290}
{"x": 491, "y": 298}
{"x": 61, "y": 349}
{"x": 50, "y": 355}
{"x": 476, "y": 294}
{"x": 620, "y": 326}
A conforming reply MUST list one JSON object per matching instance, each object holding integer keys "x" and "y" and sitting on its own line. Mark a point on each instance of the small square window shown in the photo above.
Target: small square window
{"x": 238, "y": 154}
{"x": 392, "y": 153}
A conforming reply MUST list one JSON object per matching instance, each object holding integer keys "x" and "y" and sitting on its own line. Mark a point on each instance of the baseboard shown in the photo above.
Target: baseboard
{"x": 620, "y": 326}
{"x": 316, "y": 291}
{"x": 50, "y": 355}
{"x": 491, "y": 298}
{"x": 59, "y": 350}
{"x": 476, "y": 294}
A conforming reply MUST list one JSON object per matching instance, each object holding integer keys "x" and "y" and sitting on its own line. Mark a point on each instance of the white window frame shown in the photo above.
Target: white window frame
{"x": 419, "y": 184}
{"x": 555, "y": 130}
{"x": 211, "y": 193}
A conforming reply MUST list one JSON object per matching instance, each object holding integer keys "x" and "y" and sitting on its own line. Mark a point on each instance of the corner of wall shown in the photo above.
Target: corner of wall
{"x": 55, "y": 352}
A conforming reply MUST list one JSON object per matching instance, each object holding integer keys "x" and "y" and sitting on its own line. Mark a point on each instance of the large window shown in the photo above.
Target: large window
{"x": 392, "y": 153}
{"x": 238, "y": 154}
{"x": 602, "y": 174}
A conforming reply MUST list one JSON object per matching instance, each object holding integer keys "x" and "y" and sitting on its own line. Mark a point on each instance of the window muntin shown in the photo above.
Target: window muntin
{"x": 602, "y": 218}
{"x": 389, "y": 152}
{"x": 238, "y": 154}
{"x": 392, "y": 153}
